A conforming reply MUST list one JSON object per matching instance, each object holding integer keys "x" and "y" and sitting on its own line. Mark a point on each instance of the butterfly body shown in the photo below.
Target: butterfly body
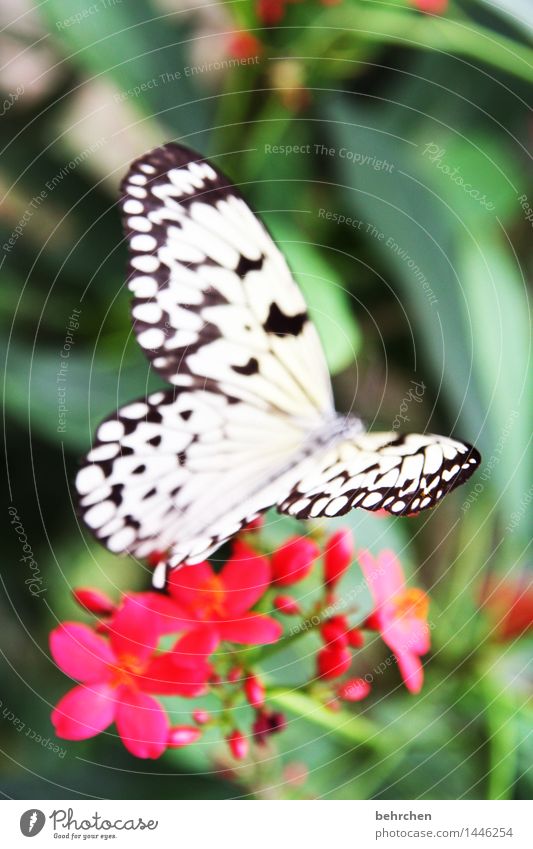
{"x": 248, "y": 422}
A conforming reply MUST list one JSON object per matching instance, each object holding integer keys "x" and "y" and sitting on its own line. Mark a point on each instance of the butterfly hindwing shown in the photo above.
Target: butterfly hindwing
{"x": 402, "y": 474}
{"x": 215, "y": 302}
{"x": 181, "y": 470}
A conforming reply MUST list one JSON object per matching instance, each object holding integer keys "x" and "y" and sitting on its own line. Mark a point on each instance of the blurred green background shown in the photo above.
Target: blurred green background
{"x": 389, "y": 151}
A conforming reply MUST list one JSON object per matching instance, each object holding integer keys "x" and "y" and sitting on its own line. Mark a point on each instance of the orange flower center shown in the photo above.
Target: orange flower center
{"x": 210, "y": 603}
{"x": 411, "y": 603}
{"x": 130, "y": 666}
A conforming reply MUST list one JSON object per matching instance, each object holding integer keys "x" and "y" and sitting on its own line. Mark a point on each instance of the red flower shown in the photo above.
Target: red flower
{"x": 93, "y": 600}
{"x": 203, "y": 598}
{"x": 354, "y": 690}
{"x": 509, "y": 604}
{"x": 286, "y": 604}
{"x": 436, "y": 7}
{"x": 271, "y": 11}
{"x": 335, "y": 630}
{"x": 333, "y": 661}
{"x": 267, "y": 723}
{"x": 293, "y": 561}
{"x": 201, "y": 717}
{"x": 338, "y": 556}
{"x": 117, "y": 675}
{"x": 400, "y": 614}
{"x": 356, "y": 638}
{"x": 244, "y": 45}
{"x": 183, "y": 735}
{"x": 238, "y": 744}
{"x": 254, "y": 691}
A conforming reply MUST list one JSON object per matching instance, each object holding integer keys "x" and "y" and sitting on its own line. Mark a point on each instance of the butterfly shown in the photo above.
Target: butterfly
{"x": 248, "y": 420}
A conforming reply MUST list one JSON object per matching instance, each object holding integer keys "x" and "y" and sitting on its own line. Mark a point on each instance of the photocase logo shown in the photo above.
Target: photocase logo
{"x": 32, "y": 822}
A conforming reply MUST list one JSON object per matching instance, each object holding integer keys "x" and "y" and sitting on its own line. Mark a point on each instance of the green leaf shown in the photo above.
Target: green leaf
{"x": 37, "y": 386}
{"x": 409, "y": 230}
{"x": 475, "y": 176}
{"x": 144, "y": 54}
{"x": 495, "y": 309}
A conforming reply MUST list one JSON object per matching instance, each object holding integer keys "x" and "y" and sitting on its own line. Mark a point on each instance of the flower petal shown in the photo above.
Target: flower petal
{"x": 197, "y": 644}
{"x": 165, "y": 675}
{"x": 84, "y": 712}
{"x": 391, "y": 575}
{"x": 81, "y": 653}
{"x": 411, "y": 671}
{"x": 172, "y": 617}
{"x": 134, "y": 630}
{"x": 383, "y": 574}
{"x": 252, "y": 629}
{"x": 185, "y": 584}
{"x": 405, "y": 634}
{"x": 142, "y": 724}
{"x": 246, "y": 577}
{"x": 293, "y": 560}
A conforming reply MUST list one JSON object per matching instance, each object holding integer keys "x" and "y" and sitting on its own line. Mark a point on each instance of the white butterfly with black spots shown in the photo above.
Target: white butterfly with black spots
{"x": 249, "y": 420}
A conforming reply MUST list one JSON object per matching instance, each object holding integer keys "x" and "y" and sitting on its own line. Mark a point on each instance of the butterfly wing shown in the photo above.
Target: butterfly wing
{"x": 219, "y": 315}
{"x": 401, "y": 474}
{"x": 215, "y": 302}
{"x": 182, "y": 470}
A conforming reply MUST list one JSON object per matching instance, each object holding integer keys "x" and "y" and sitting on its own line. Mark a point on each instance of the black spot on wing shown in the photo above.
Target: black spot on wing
{"x": 245, "y": 265}
{"x": 249, "y": 368}
{"x": 284, "y": 325}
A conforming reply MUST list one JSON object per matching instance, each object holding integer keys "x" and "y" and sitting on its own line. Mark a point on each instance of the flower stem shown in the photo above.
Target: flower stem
{"x": 349, "y": 727}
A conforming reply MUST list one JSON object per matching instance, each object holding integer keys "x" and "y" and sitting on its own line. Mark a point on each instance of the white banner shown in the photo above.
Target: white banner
{"x": 253, "y": 825}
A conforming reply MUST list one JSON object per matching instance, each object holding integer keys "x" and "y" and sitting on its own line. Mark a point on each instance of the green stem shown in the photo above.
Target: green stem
{"x": 500, "y": 712}
{"x": 310, "y": 628}
{"x": 350, "y": 728}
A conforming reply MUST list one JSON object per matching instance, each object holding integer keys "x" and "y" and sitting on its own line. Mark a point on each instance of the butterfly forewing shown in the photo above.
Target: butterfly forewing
{"x": 215, "y": 302}
{"x": 402, "y": 474}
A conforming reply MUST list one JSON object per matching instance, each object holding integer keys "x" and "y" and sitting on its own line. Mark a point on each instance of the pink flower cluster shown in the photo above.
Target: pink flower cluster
{"x": 121, "y": 668}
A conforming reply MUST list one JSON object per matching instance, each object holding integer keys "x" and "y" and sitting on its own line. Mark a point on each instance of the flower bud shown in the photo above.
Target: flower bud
{"x": 354, "y": 690}
{"x": 372, "y": 622}
{"x": 270, "y": 12}
{"x": 338, "y": 556}
{"x": 200, "y": 716}
{"x": 267, "y": 723}
{"x": 183, "y": 735}
{"x": 335, "y": 630}
{"x": 293, "y": 561}
{"x": 254, "y": 691}
{"x": 295, "y": 773}
{"x": 254, "y": 525}
{"x": 238, "y": 744}
{"x": 333, "y": 661}
{"x": 356, "y": 638}
{"x": 244, "y": 45}
{"x": 287, "y": 604}
{"x": 95, "y": 601}
{"x": 235, "y": 674}
{"x": 156, "y": 557}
